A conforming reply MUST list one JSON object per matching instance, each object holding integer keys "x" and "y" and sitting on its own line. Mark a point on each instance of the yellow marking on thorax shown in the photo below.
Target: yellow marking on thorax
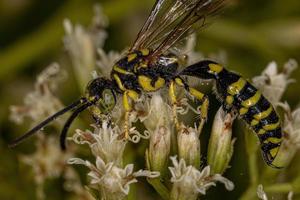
{"x": 252, "y": 100}
{"x": 273, "y": 140}
{"x": 270, "y": 127}
{"x": 229, "y": 99}
{"x": 274, "y": 152}
{"x": 121, "y": 71}
{"x": 261, "y": 131}
{"x": 215, "y": 68}
{"x": 254, "y": 122}
{"x": 119, "y": 82}
{"x": 263, "y": 114}
{"x": 145, "y": 52}
{"x": 179, "y": 82}
{"x": 237, "y": 86}
{"x": 243, "y": 110}
{"x": 131, "y": 57}
{"x": 145, "y": 83}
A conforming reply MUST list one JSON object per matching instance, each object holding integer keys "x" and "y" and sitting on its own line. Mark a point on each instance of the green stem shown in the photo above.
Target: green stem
{"x": 159, "y": 187}
{"x": 279, "y": 188}
{"x": 249, "y": 194}
{"x": 253, "y": 172}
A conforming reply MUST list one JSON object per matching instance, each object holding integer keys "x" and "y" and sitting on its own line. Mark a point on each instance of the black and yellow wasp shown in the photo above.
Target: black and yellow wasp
{"x": 150, "y": 65}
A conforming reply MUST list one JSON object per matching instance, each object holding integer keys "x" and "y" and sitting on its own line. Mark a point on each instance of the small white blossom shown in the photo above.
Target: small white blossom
{"x": 291, "y": 125}
{"x": 188, "y": 181}
{"x": 106, "y": 61}
{"x": 189, "y": 145}
{"x": 40, "y": 103}
{"x": 261, "y": 193}
{"x": 104, "y": 142}
{"x": 48, "y": 161}
{"x": 290, "y": 195}
{"x": 159, "y": 126}
{"x": 158, "y": 114}
{"x": 220, "y": 148}
{"x": 272, "y": 83}
{"x": 81, "y": 44}
{"x": 112, "y": 181}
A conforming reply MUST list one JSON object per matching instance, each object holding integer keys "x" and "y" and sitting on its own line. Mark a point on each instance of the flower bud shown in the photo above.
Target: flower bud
{"x": 158, "y": 123}
{"x": 189, "y": 145}
{"x": 159, "y": 149}
{"x": 220, "y": 146}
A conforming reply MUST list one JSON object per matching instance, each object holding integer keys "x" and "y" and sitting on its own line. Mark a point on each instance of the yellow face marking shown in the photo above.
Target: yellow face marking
{"x": 229, "y": 99}
{"x": 215, "y": 68}
{"x": 274, "y": 152}
{"x": 273, "y": 140}
{"x": 243, "y": 111}
{"x": 264, "y": 114}
{"x": 120, "y": 70}
{"x": 119, "y": 82}
{"x": 254, "y": 122}
{"x": 252, "y": 100}
{"x": 95, "y": 110}
{"x": 145, "y": 52}
{"x": 261, "y": 132}
{"x": 270, "y": 127}
{"x": 236, "y": 87}
{"x": 145, "y": 83}
{"x": 196, "y": 93}
{"x": 131, "y": 57}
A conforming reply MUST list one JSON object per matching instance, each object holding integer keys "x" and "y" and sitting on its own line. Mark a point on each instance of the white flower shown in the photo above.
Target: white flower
{"x": 48, "y": 161}
{"x": 189, "y": 145}
{"x": 272, "y": 83}
{"x": 106, "y": 61}
{"x": 261, "y": 193}
{"x": 220, "y": 148}
{"x": 112, "y": 181}
{"x": 104, "y": 142}
{"x": 40, "y": 103}
{"x": 188, "y": 181}
{"x": 82, "y": 44}
{"x": 291, "y": 125}
{"x": 159, "y": 114}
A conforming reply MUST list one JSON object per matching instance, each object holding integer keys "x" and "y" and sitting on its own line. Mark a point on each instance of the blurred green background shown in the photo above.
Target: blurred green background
{"x": 251, "y": 33}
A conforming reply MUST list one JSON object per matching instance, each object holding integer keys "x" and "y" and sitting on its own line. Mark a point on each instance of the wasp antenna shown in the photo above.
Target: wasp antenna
{"x": 45, "y": 122}
{"x": 68, "y": 123}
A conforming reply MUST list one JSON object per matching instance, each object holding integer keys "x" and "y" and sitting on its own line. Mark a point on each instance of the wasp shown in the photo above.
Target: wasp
{"x": 150, "y": 65}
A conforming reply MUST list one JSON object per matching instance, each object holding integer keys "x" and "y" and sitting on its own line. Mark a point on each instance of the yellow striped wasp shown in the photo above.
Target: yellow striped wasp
{"x": 150, "y": 65}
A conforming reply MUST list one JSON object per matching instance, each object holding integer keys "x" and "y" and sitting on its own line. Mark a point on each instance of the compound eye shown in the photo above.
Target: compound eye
{"x": 108, "y": 99}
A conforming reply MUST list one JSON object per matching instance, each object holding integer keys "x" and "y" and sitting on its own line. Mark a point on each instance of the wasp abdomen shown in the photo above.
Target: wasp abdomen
{"x": 254, "y": 109}
{"x": 237, "y": 93}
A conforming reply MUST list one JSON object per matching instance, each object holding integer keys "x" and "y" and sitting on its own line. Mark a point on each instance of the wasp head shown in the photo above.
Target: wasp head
{"x": 100, "y": 92}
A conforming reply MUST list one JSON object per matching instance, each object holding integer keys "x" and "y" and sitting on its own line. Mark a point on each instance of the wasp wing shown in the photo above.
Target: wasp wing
{"x": 171, "y": 20}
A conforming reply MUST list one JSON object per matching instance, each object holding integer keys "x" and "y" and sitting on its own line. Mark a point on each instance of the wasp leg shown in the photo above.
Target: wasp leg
{"x": 128, "y": 96}
{"x": 202, "y": 98}
{"x": 172, "y": 95}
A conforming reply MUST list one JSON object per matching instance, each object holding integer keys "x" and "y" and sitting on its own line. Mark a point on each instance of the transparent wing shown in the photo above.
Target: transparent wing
{"x": 171, "y": 20}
